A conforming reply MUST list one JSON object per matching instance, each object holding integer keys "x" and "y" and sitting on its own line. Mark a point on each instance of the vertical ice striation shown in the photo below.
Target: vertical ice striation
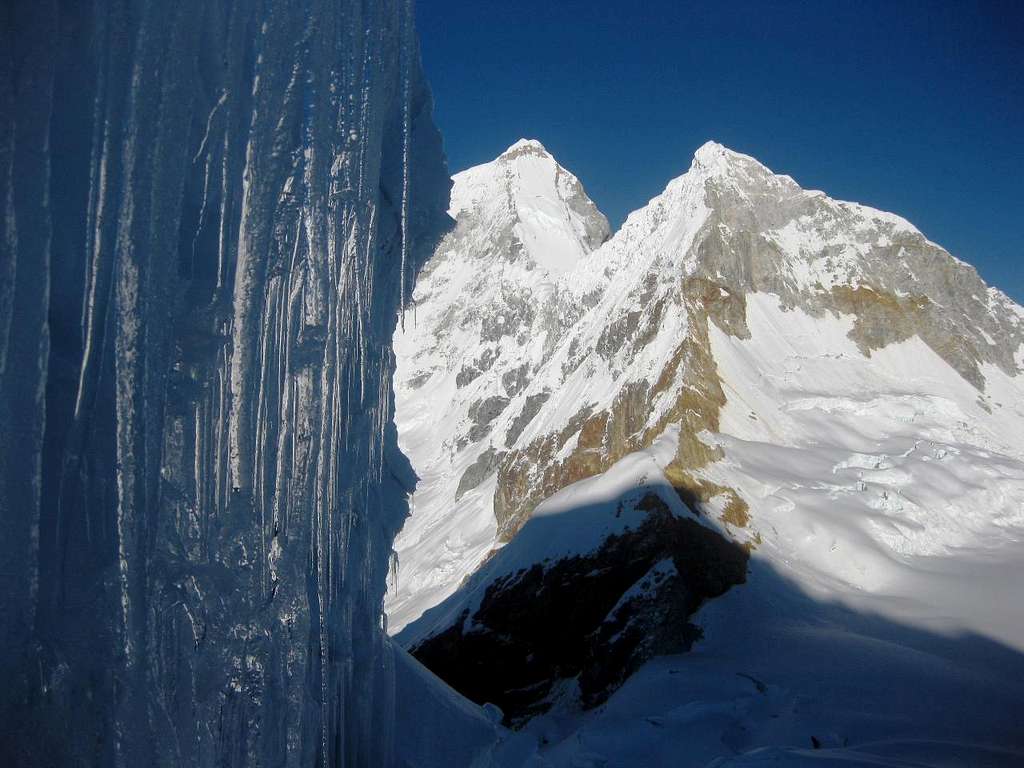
{"x": 211, "y": 214}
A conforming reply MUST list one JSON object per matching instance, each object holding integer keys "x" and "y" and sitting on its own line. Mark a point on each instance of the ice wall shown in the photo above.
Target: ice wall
{"x": 212, "y": 210}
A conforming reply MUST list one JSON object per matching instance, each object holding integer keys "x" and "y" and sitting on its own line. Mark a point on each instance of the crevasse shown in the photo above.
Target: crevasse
{"x": 211, "y": 214}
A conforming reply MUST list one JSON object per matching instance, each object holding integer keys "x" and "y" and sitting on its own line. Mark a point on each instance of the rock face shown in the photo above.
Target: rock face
{"x": 592, "y": 617}
{"x": 213, "y": 212}
{"x": 796, "y": 365}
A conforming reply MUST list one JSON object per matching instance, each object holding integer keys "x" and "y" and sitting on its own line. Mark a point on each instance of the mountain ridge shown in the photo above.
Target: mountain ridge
{"x": 754, "y": 417}
{"x": 593, "y": 361}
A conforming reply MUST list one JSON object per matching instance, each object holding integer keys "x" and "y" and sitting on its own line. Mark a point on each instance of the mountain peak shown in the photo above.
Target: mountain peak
{"x": 542, "y": 205}
{"x": 710, "y": 148}
{"x": 525, "y": 147}
{"x": 714, "y": 158}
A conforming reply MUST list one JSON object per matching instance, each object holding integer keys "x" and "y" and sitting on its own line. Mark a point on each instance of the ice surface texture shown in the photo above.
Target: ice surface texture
{"x": 211, "y": 211}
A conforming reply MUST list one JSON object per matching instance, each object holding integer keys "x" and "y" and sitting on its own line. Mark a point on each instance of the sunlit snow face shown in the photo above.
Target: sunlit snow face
{"x": 538, "y": 345}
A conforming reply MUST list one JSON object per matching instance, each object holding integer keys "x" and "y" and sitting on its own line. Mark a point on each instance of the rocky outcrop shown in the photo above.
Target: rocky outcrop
{"x": 688, "y": 380}
{"x": 592, "y": 619}
{"x": 478, "y": 471}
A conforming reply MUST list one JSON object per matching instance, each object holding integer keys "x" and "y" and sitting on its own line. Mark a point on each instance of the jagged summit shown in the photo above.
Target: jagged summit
{"x": 711, "y": 152}
{"x": 524, "y": 147}
{"x": 714, "y": 160}
{"x": 540, "y": 206}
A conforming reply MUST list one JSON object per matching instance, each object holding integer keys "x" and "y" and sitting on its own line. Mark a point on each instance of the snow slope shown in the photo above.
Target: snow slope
{"x": 824, "y": 386}
{"x": 881, "y": 616}
{"x": 484, "y": 317}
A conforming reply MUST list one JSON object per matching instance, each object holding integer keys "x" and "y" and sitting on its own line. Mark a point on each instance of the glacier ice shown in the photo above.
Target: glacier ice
{"x": 212, "y": 212}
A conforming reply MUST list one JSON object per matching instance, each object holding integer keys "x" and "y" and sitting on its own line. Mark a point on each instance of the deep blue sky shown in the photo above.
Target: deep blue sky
{"x": 916, "y": 108}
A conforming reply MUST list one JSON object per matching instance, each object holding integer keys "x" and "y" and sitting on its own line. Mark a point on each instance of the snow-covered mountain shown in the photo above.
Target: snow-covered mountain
{"x": 487, "y": 313}
{"x": 749, "y": 382}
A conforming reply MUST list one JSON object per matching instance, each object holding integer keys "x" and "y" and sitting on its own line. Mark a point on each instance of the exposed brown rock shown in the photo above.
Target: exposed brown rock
{"x": 531, "y": 474}
{"x": 556, "y": 621}
{"x": 697, "y": 493}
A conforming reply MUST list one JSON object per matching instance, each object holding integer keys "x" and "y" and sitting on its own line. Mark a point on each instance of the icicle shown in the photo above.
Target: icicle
{"x": 406, "y": 76}
{"x": 206, "y": 134}
{"x": 393, "y": 571}
{"x": 238, "y": 399}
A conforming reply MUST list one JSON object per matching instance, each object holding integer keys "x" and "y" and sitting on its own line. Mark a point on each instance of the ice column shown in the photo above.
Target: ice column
{"x": 212, "y": 210}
